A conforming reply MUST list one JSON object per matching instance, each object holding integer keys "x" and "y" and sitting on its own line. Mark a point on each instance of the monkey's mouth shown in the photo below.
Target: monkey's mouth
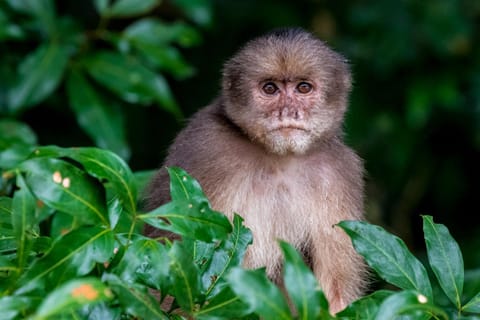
{"x": 289, "y": 129}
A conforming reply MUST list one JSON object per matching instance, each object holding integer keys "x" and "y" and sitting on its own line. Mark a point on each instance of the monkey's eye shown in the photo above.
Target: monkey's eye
{"x": 269, "y": 88}
{"x": 304, "y": 87}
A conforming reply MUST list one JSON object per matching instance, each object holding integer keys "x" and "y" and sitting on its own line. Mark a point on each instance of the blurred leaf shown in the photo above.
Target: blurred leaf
{"x": 262, "y": 296}
{"x": 23, "y": 219}
{"x": 388, "y": 256}
{"x": 445, "y": 259}
{"x": 9, "y": 30}
{"x": 12, "y": 156}
{"x": 229, "y": 253}
{"x": 104, "y": 165}
{"x": 101, "y": 6}
{"x": 301, "y": 285}
{"x": 18, "y": 132}
{"x": 66, "y": 188}
{"x": 135, "y": 300}
{"x": 39, "y": 75}
{"x": 154, "y": 32}
{"x": 74, "y": 254}
{"x": 43, "y": 10}
{"x": 148, "y": 260}
{"x": 200, "y": 11}
{"x": 12, "y": 306}
{"x": 366, "y": 307}
{"x": 185, "y": 277}
{"x": 473, "y": 305}
{"x": 129, "y": 8}
{"x": 103, "y": 122}
{"x": 72, "y": 295}
{"x": 405, "y": 302}
{"x": 142, "y": 178}
{"x": 6, "y": 226}
{"x": 130, "y": 80}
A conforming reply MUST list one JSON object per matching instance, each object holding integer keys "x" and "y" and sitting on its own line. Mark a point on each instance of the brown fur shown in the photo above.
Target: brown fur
{"x": 286, "y": 183}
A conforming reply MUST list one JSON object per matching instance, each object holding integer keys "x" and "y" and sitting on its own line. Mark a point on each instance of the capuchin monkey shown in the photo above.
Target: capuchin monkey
{"x": 270, "y": 148}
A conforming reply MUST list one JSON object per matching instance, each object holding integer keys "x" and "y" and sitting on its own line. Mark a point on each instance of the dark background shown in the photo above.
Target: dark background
{"x": 414, "y": 115}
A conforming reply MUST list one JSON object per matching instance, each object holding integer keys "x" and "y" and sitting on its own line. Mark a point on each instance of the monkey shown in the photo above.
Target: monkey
{"x": 270, "y": 148}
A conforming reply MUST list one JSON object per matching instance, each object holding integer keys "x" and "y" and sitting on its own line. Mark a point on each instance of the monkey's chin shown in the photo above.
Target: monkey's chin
{"x": 295, "y": 142}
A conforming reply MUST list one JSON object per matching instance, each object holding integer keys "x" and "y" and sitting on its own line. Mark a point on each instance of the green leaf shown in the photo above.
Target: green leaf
{"x": 103, "y": 165}
{"x": 445, "y": 259}
{"x": 66, "y": 188}
{"x": 388, "y": 256}
{"x": 17, "y": 132}
{"x": 135, "y": 299}
{"x": 6, "y": 223}
{"x": 473, "y": 305}
{"x": 74, "y": 254}
{"x": 146, "y": 260}
{"x": 262, "y": 296}
{"x": 42, "y": 10}
{"x": 130, "y": 80}
{"x": 366, "y": 307}
{"x": 142, "y": 178}
{"x": 39, "y": 75}
{"x": 185, "y": 277}
{"x": 225, "y": 305}
{"x": 103, "y": 122}
{"x": 129, "y": 8}
{"x": 200, "y": 11}
{"x": 101, "y": 6}
{"x": 23, "y": 219}
{"x": 190, "y": 220}
{"x": 72, "y": 295}
{"x": 12, "y": 306}
{"x": 183, "y": 186}
{"x": 229, "y": 253}
{"x": 406, "y": 302}
{"x": 301, "y": 285}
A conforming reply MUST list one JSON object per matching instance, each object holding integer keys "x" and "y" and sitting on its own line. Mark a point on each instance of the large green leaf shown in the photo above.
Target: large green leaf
{"x": 12, "y": 306}
{"x": 445, "y": 259}
{"x": 39, "y": 75}
{"x": 130, "y": 80}
{"x": 302, "y": 286}
{"x": 262, "y": 296}
{"x": 388, "y": 256}
{"x": 408, "y": 302}
{"x": 66, "y": 188}
{"x": 135, "y": 299}
{"x": 225, "y": 305}
{"x": 186, "y": 286}
{"x": 23, "y": 219}
{"x": 72, "y": 295}
{"x": 103, "y": 165}
{"x": 229, "y": 253}
{"x": 473, "y": 305}
{"x": 365, "y": 308}
{"x": 74, "y": 254}
{"x": 102, "y": 121}
{"x": 183, "y": 186}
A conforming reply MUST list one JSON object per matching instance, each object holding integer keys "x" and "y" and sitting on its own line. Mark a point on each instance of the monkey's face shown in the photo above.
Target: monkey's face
{"x": 287, "y": 93}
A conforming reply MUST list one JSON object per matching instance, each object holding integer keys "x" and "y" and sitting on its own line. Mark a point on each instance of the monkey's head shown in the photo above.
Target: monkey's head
{"x": 287, "y": 90}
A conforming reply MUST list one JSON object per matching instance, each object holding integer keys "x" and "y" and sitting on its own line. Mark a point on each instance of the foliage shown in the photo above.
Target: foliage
{"x": 96, "y": 67}
{"x": 72, "y": 247}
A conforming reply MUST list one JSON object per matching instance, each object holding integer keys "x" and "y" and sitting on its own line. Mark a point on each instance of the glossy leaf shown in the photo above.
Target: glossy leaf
{"x": 74, "y": 254}
{"x": 103, "y": 165}
{"x": 406, "y": 302}
{"x": 39, "y": 75}
{"x": 103, "y": 122}
{"x": 388, "y": 256}
{"x": 225, "y": 305}
{"x": 146, "y": 260}
{"x": 365, "y": 307}
{"x": 183, "y": 187}
{"x": 229, "y": 253}
{"x": 66, "y": 188}
{"x": 301, "y": 285}
{"x": 135, "y": 299}
{"x": 129, "y": 8}
{"x": 190, "y": 220}
{"x": 445, "y": 259}
{"x": 185, "y": 277}
{"x": 473, "y": 305}
{"x": 130, "y": 80}
{"x": 23, "y": 219}
{"x": 261, "y": 296}
{"x": 72, "y": 295}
